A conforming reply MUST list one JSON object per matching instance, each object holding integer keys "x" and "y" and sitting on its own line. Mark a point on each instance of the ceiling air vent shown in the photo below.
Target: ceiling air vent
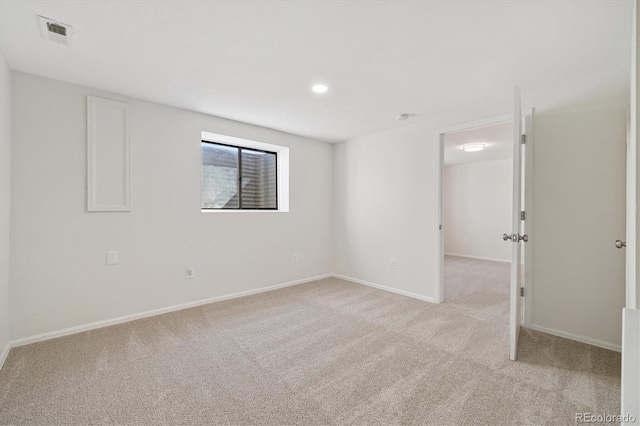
{"x": 55, "y": 31}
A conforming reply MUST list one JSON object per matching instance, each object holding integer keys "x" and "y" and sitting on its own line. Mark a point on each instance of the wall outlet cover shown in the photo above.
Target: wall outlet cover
{"x": 191, "y": 272}
{"x": 112, "y": 257}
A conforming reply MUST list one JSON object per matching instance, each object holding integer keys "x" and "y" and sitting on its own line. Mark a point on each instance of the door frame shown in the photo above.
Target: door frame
{"x": 631, "y": 297}
{"x": 629, "y": 387}
{"x": 632, "y": 236}
{"x": 528, "y": 178}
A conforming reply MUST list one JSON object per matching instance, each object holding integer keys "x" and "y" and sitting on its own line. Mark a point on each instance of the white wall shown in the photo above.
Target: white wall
{"x": 579, "y": 212}
{"x": 476, "y": 208}
{"x": 5, "y": 199}
{"x": 383, "y": 209}
{"x": 384, "y": 192}
{"x": 59, "y": 278}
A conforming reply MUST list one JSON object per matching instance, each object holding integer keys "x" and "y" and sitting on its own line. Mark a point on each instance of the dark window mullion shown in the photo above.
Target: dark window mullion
{"x": 240, "y": 178}
{"x": 262, "y": 172}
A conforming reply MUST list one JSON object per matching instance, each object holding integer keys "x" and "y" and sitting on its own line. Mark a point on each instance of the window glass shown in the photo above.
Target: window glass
{"x": 238, "y": 178}
{"x": 220, "y": 174}
{"x": 258, "y": 180}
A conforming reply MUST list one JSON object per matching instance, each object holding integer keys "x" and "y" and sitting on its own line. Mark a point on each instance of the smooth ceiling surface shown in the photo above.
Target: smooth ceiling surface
{"x": 254, "y": 61}
{"x": 498, "y": 141}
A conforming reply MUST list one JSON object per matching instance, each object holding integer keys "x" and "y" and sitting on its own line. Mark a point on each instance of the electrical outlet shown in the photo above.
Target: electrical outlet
{"x": 191, "y": 272}
{"x": 112, "y": 257}
{"x": 295, "y": 258}
{"x": 392, "y": 263}
{"x": 488, "y": 242}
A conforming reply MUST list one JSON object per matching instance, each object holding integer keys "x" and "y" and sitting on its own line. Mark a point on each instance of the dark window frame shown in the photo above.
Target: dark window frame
{"x": 240, "y": 148}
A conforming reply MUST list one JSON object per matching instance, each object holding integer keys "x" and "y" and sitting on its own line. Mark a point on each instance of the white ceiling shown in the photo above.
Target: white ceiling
{"x": 254, "y": 61}
{"x": 498, "y": 141}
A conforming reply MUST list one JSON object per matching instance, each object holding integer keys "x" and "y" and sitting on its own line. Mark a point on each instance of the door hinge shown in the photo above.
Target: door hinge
{"x": 523, "y": 138}
{"x": 440, "y": 227}
{"x": 521, "y": 291}
{"x": 522, "y": 215}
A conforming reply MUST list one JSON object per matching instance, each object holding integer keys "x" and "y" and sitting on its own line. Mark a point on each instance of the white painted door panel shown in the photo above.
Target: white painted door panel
{"x": 515, "y": 314}
{"x": 630, "y": 385}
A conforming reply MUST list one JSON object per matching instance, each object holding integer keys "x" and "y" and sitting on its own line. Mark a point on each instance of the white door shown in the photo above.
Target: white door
{"x": 515, "y": 237}
{"x": 630, "y": 386}
{"x": 631, "y": 243}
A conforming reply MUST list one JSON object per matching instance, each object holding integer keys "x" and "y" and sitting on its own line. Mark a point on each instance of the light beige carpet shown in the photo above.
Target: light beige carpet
{"x": 326, "y": 352}
{"x": 474, "y": 279}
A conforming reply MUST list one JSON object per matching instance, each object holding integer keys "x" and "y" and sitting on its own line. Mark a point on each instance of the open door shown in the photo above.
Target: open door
{"x": 630, "y": 384}
{"x": 515, "y": 237}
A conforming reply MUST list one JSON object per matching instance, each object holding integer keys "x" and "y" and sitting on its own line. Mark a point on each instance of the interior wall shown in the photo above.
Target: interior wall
{"x": 384, "y": 206}
{"x": 384, "y": 192}
{"x": 476, "y": 208}
{"x": 579, "y": 212}
{"x": 5, "y": 199}
{"x": 59, "y": 278}
{"x": 383, "y": 209}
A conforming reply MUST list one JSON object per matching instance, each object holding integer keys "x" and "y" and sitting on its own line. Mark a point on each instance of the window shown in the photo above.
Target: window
{"x": 239, "y": 174}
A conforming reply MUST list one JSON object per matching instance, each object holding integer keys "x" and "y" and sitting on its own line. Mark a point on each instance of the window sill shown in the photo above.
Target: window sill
{"x": 241, "y": 211}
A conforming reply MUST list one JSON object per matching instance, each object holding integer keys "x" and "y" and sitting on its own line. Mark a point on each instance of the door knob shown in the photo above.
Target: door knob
{"x": 515, "y": 237}
{"x": 620, "y": 244}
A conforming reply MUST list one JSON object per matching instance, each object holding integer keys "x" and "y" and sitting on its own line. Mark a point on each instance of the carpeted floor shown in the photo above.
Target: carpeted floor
{"x": 473, "y": 278}
{"x": 326, "y": 352}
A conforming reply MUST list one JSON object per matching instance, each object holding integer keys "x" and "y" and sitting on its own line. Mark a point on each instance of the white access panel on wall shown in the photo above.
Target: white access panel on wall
{"x": 107, "y": 155}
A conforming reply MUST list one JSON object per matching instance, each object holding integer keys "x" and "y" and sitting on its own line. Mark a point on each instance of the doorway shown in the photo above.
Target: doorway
{"x": 477, "y": 179}
{"x": 522, "y": 201}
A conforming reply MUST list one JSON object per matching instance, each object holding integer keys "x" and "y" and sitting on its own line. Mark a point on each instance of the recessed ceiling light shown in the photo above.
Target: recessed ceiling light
{"x": 473, "y": 147}
{"x": 320, "y": 88}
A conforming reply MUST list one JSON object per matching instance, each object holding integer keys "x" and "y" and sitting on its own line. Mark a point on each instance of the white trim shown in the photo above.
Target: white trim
{"x": 633, "y": 171}
{"x": 439, "y": 146}
{"x": 631, "y": 219}
{"x": 630, "y": 380}
{"x": 244, "y": 143}
{"x": 485, "y": 122}
{"x": 92, "y": 141}
{"x": 240, "y": 211}
{"x": 385, "y": 288}
{"x": 577, "y": 338}
{"x": 439, "y": 278}
{"x": 528, "y": 221}
{"x": 5, "y": 354}
{"x": 154, "y": 312}
{"x": 492, "y": 259}
{"x": 515, "y": 300}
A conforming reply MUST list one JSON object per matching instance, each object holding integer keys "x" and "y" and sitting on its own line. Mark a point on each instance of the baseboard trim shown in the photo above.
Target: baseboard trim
{"x": 187, "y": 305}
{"x": 493, "y": 259}
{"x": 577, "y": 338}
{"x": 4, "y": 354}
{"x": 385, "y": 288}
{"x": 154, "y": 312}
